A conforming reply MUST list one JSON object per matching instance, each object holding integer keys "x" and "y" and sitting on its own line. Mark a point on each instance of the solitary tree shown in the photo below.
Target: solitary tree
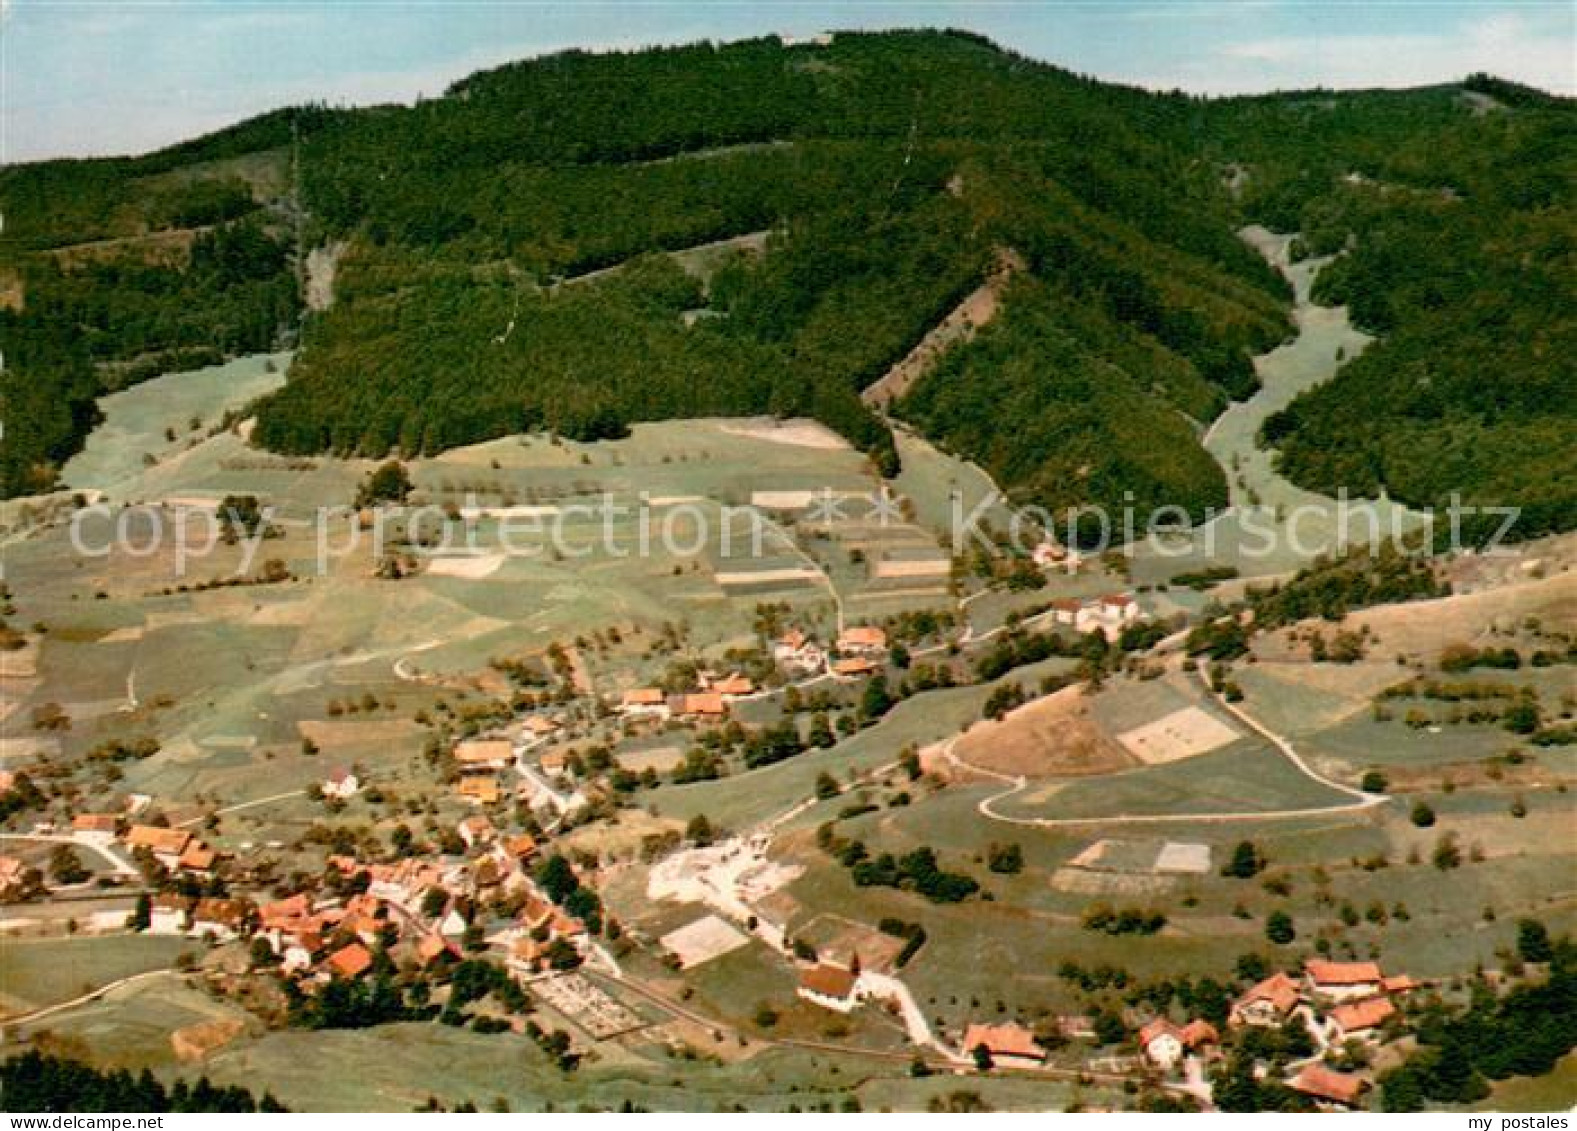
{"x": 1279, "y": 928}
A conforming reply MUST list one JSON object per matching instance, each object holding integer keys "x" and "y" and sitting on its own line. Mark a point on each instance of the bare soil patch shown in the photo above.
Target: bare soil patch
{"x": 360, "y": 732}
{"x": 978, "y": 309}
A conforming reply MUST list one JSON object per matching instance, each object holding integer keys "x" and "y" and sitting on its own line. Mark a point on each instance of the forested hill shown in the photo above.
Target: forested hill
{"x": 852, "y": 193}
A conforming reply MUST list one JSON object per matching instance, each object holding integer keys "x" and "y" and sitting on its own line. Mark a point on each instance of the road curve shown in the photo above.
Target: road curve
{"x": 1361, "y": 800}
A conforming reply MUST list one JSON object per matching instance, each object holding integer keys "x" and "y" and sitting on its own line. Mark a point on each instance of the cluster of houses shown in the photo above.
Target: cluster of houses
{"x": 1337, "y": 1002}
{"x": 177, "y": 850}
{"x": 708, "y": 702}
{"x": 858, "y": 651}
{"x": 481, "y": 760}
{"x": 318, "y": 935}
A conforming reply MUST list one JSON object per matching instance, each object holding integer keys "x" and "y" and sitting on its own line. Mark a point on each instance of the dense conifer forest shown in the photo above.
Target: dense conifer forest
{"x": 519, "y": 254}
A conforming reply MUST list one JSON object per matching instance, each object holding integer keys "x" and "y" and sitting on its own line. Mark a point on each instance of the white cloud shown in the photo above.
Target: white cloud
{"x": 1509, "y": 44}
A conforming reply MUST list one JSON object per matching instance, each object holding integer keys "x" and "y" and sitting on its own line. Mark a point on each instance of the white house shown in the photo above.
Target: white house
{"x": 167, "y": 916}
{"x": 95, "y": 828}
{"x": 1111, "y": 614}
{"x": 1165, "y": 1044}
{"x": 452, "y": 924}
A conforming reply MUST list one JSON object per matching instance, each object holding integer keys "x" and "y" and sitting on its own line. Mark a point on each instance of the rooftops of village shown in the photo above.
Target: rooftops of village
{"x": 198, "y": 857}
{"x": 231, "y": 913}
{"x": 1399, "y": 984}
{"x": 285, "y": 911}
{"x": 520, "y": 846}
{"x": 733, "y": 684}
{"x": 643, "y": 697}
{"x": 853, "y": 666}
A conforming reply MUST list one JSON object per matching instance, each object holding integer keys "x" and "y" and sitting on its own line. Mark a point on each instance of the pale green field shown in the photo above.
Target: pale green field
{"x": 135, "y": 419}
{"x": 398, "y": 1067}
{"x": 1275, "y": 526}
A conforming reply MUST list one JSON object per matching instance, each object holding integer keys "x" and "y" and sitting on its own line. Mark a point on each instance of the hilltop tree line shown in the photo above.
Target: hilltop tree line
{"x": 890, "y": 172}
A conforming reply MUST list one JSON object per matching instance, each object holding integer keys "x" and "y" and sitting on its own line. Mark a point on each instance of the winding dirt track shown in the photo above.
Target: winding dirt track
{"x": 1361, "y": 800}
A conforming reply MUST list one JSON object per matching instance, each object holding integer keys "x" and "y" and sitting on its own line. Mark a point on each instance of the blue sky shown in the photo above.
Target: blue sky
{"x": 94, "y": 78}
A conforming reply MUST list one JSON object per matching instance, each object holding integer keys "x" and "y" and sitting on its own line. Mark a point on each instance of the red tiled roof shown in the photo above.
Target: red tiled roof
{"x": 858, "y": 665}
{"x": 735, "y": 684}
{"x": 863, "y": 636}
{"x": 198, "y": 857}
{"x": 702, "y": 703}
{"x": 351, "y": 961}
{"x": 1279, "y": 990}
{"x": 1320, "y": 1082}
{"x": 282, "y": 911}
{"x": 1003, "y": 1040}
{"x": 1342, "y": 973}
{"x": 828, "y": 981}
{"x": 156, "y": 839}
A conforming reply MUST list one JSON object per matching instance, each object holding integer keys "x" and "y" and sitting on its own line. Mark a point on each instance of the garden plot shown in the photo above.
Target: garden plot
{"x": 1181, "y": 734}
{"x": 1183, "y": 857}
{"x": 703, "y": 940}
{"x": 1131, "y": 867}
